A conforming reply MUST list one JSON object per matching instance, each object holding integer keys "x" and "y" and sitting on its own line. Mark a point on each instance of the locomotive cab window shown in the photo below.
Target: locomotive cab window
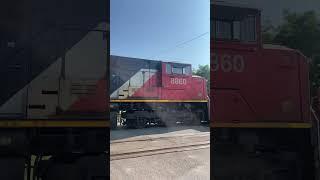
{"x": 248, "y": 29}
{"x": 168, "y": 68}
{"x": 223, "y": 29}
{"x": 177, "y": 70}
{"x": 181, "y": 69}
{"x": 238, "y": 30}
{"x": 234, "y": 24}
{"x": 187, "y": 70}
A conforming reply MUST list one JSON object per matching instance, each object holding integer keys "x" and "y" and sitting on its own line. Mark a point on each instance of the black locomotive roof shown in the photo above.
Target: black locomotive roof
{"x": 116, "y": 57}
{"x": 132, "y": 58}
{"x": 231, "y": 11}
{"x": 233, "y": 4}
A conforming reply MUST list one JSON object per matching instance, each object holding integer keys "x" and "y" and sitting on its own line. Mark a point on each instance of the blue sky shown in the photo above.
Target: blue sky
{"x": 153, "y": 28}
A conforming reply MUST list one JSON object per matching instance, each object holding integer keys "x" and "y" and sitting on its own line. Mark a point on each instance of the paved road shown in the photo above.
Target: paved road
{"x": 177, "y": 162}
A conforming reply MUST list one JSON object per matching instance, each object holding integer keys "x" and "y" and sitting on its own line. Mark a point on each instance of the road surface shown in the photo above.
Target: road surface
{"x": 160, "y": 153}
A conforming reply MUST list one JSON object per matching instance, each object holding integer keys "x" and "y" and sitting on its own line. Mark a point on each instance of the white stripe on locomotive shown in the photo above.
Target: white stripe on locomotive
{"x": 133, "y": 84}
{"x": 78, "y": 69}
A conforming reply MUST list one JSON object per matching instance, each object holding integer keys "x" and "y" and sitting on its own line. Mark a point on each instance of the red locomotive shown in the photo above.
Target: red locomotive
{"x": 260, "y": 111}
{"x": 154, "y": 92}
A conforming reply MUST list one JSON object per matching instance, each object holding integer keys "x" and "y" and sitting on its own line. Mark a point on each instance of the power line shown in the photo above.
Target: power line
{"x": 182, "y": 43}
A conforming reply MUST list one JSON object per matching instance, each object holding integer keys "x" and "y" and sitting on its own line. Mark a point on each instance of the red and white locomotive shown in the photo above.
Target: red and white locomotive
{"x": 155, "y": 92}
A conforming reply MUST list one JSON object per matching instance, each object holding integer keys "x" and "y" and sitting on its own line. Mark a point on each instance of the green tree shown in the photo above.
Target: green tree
{"x": 203, "y": 71}
{"x": 299, "y": 31}
{"x": 268, "y": 32}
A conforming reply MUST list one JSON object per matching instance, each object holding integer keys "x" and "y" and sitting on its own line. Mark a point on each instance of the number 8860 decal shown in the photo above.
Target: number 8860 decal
{"x": 228, "y": 63}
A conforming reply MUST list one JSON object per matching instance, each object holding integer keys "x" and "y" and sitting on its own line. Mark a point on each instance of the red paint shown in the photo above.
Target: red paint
{"x": 160, "y": 86}
{"x": 96, "y": 102}
{"x": 273, "y": 86}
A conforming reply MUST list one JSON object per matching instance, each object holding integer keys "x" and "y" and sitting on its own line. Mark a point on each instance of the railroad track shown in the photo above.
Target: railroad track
{"x": 168, "y": 137}
{"x": 126, "y": 149}
{"x": 152, "y": 152}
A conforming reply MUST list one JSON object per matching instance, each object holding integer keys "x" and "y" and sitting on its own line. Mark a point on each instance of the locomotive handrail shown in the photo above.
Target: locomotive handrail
{"x": 317, "y": 122}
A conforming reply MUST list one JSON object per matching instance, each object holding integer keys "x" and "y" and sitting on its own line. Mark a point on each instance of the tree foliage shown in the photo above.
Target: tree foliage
{"x": 203, "y": 71}
{"x": 268, "y": 32}
{"x": 299, "y": 31}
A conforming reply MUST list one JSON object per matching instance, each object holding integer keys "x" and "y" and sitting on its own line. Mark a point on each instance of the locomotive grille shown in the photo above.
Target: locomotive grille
{"x": 83, "y": 88}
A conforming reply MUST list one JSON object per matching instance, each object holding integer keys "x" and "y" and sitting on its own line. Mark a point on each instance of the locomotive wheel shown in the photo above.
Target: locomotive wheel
{"x": 140, "y": 123}
{"x": 197, "y": 118}
{"x": 160, "y": 123}
{"x": 170, "y": 123}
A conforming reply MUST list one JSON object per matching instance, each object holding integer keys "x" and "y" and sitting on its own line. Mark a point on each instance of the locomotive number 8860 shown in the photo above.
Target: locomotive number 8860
{"x": 179, "y": 81}
{"x": 228, "y": 63}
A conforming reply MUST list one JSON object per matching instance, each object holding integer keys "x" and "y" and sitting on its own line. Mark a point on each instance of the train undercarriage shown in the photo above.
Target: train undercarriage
{"x": 54, "y": 153}
{"x": 142, "y": 114}
{"x": 262, "y": 154}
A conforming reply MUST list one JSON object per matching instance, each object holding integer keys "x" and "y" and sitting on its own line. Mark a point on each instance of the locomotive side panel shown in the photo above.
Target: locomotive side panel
{"x": 179, "y": 84}
{"x": 53, "y": 101}
{"x": 15, "y": 34}
{"x": 130, "y": 76}
{"x": 276, "y": 72}
{"x": 232, "y": 84}
{"x": 279, "y": 77}
{"x": 57, "y": 49}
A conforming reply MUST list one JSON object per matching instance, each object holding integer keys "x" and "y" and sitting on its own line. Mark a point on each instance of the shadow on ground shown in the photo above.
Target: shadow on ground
{"x": 128, "y": 133}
